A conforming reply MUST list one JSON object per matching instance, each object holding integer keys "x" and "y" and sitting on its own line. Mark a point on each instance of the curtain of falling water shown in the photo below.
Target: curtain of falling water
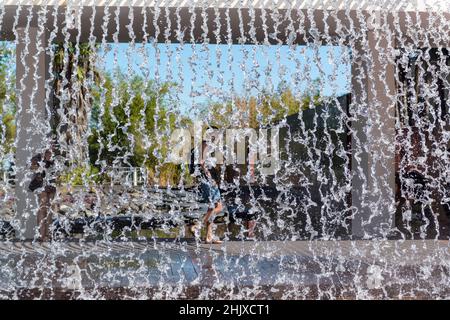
{"x": 349, "y": 191}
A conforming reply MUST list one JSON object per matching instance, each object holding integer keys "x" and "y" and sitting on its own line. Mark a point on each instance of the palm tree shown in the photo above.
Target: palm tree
{"x": 74, "y": 75}
{"x": 7, "y": 102}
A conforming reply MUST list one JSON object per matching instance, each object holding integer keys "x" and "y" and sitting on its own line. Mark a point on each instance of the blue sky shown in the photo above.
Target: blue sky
{"x": 218, "y": 72}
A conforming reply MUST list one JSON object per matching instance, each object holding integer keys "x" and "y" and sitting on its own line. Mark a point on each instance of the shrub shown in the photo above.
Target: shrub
{"x": 82, "y": 175}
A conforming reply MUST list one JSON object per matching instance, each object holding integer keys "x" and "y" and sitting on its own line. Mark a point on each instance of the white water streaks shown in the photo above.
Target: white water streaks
{"x": 327, "y": 143}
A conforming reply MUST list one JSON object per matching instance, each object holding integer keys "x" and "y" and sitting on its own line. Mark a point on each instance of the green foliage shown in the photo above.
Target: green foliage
{"x": 131, "y": 119}
{"x": 7, "y": 99}
{"x": 80, "y": 175}
{"x": 260, "y": 111}
{"x": 9, "y": 130}
{"x": 131, "y": 124}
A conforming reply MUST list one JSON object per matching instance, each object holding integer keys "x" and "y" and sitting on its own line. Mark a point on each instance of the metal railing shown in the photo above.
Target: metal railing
{"x": 130, "y": 176}
{"x": 6, "y": 177}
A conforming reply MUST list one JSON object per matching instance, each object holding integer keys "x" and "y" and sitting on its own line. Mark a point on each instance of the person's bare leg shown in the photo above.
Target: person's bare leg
{"x": 49, "y": 215}
{"x": 208, "y": 215}
{"x": 47, "y": 225}
{"x": 41, "y": 216}
{"x": 207, "y": 220}
{"x": 209, "y": 231}
{"x": 47, "y": 218}
{"x": 251, "y": 224}
{"x": 218, "y": 208}
{"x": 208, "y": 224}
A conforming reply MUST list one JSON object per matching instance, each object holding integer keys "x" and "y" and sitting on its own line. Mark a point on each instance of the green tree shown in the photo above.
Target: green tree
{"x": 261, "y": 110}
{"x": 131, "y": 124}
{"x": 7, "y": 100}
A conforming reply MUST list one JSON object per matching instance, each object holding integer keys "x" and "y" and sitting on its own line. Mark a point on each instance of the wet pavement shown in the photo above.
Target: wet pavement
{"x": 267, "y": 270}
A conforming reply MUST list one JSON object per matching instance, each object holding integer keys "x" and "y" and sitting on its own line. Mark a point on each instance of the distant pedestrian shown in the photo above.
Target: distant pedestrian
{"x": 208, "y": 176}
{"x": 43, "y": 181}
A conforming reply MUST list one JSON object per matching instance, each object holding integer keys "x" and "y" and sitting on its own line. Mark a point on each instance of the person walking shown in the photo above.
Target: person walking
{"x": 44, "y": 182}
{"x": 209, "y": 187}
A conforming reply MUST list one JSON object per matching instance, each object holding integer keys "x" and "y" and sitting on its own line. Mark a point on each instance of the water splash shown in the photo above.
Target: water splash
{"x": 357, "y": 208}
